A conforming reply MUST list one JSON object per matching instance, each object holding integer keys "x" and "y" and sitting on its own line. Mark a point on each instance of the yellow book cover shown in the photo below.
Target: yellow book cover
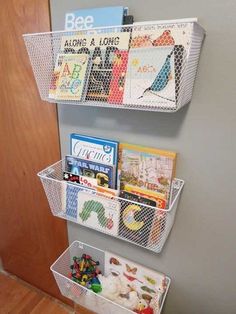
{"x": 73, "y": 76}
{"x": 158, "y": 198}
{"x": 147, "y": 168}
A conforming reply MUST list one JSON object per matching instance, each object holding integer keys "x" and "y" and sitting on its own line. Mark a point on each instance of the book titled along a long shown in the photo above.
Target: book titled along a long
{"x": 103, "y": 49}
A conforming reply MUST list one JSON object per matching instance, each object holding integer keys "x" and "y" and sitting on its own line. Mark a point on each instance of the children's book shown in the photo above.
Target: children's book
{"x": 147, "y": 168}
{"x": 86, "y": 181}
{"x": 150, "y": 78}
{"x": 149, "y": 284}
{"x": 69, "y": 198}
{"x": 136, "y": 222}
{"x": 156, "y": 198}
{"x": 118, "y": 77}
{"x": 102, "y": 173}
{"x": 156, "y": 62}
{"x": 99, "y": 213}
{"x": 101, "y": 48}
{"x": 95, "y": 17}
{"x": 73, "y": 75}
{"x": 96, "y": 149}
{"x": 55, "y": 76}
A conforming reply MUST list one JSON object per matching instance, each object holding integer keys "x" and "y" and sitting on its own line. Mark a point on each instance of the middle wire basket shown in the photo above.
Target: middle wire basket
{"x": 140, "y": 224}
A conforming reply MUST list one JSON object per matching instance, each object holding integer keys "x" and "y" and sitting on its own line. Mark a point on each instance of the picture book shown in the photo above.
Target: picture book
{"x": 99, "y": 213}
{"x": 147, "y": 168}
{"x": 150, "y": 78}
{"x": 96, "y": 149}
{"x": 155, "y": 79}
{"x": 72, "y": 79}
{"x": 136, "y": 222}
{"x": 69, "y": 198}
{"x": 101, "y": 48}
{"x": 149, "y": 284}
{"x": 118, "y": 77}
{"x": 104, "y": 174}
{"x": 137, "y": 198}
{"x": 152, "y": 196}
{"x": 161, "y": 33}
{"x": 55, "y": 76}
{"x": 86, "y": 181}
{"x": 94, "y": 17}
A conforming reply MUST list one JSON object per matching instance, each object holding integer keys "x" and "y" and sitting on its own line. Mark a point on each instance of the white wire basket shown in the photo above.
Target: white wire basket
{"x": 97, "y": 302}
{"x": 137, "y": 223}
{"x": 152, "y": 65}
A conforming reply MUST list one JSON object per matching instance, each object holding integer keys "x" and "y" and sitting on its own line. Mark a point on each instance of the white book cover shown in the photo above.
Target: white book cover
{"x": 150, "y": 77}
{"x": 98, "y": 213}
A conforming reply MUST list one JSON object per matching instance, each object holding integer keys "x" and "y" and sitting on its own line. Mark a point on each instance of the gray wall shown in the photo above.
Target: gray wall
{"x": 200, "y": 253}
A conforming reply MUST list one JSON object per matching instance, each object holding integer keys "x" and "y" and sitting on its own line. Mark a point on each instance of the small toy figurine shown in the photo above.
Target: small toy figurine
{"x": 148, "y": 310}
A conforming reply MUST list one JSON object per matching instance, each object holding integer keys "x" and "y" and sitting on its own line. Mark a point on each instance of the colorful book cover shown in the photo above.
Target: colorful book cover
{"x": 150, "y": 78}
{"x": 136, "y": 222}
{"x": 99, "y": 213}
{"x": 118, "y": 77}
{"x": 69, "y": 198}
{"x": 101, "y": 48}
{"x": 149, "y": 284}
{"x": 94, "y": 17}
{"x": 158, "y": 198}
{"x": 137, "y": 198}
{"x": 72, "y": 80}
{"x": 86, "y": 181}
{"x": 55, "y": 76}
{"x": 94, "y": 148}
{"x": 104, "y": 174}
{"x": 147, "y": 168}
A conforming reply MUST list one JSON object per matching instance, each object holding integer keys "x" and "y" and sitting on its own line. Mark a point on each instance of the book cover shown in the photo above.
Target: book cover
{"x": 86, "y": 181}
{"x": 136, "y": 222}
{"x": 148, "y": 283}
{"x": 99, "y": 213}
{"x": 94, "y": 17}
{"x": 150, "y": 78}
{"x": 147, "y": 168}
{"x": 94, "y": 148}
{"x": 137, "y": 198}
{"x": 55, "y": 76}
{"x": 69, "y": 198}
{"x": 73, "y": 77}
{"x": 118, "y": 77}
{"x": 152, "y": 196}
{"x": 101, "y": 48}
{"x": 104, "y": 174}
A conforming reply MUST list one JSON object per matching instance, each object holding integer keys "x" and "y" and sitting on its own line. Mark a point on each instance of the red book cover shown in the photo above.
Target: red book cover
{"x": 118, "y": 77}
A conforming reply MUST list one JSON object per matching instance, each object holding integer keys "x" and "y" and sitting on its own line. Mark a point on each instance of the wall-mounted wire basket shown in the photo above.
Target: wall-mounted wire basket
{"x": 137, "y": 223}
{"x": 145, "y": 66}
{"x": 97, "y": 302}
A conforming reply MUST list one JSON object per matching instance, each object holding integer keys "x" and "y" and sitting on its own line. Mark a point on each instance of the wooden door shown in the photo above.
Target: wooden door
{"x": 30, "y": 237}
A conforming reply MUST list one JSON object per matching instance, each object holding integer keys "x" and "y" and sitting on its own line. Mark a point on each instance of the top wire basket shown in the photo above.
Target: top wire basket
{"x": 145, "y": 66}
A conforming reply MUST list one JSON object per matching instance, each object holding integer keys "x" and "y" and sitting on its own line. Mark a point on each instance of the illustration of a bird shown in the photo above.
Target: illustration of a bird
{"x": 164, "y": 40}
{"x": 162, "y": 77}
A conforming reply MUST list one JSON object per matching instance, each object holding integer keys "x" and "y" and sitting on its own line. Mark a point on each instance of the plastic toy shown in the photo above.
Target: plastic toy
{"x": 148, "y": 310}
{"x": 84, "y": 271}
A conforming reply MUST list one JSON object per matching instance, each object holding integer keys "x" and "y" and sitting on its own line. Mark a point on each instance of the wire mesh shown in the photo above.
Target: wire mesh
{"x": 80, "y": 294}
{"x": 137, "y": 223}
{"x": 148, "y": 67}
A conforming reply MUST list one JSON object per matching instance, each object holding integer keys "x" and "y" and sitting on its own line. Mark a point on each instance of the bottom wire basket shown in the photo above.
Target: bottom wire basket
{"x": 137, "y": 223}
{"x": 149, "y": 284}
